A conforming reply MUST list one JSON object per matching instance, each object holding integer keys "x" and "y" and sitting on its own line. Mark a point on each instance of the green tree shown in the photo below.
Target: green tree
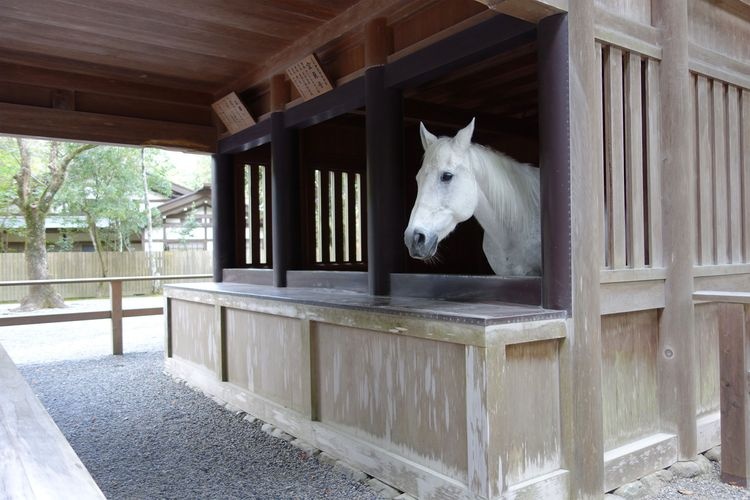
{"x": 38, "y": 169}
{"x": 106, "y": 188}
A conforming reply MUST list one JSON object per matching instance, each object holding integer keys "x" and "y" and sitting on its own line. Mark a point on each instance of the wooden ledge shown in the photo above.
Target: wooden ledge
{"x": 37, "y": 460}
{"x": 719, "y": 296}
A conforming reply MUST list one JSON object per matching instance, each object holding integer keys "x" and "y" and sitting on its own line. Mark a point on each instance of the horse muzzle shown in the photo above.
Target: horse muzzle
{"x": 421, "y": 245}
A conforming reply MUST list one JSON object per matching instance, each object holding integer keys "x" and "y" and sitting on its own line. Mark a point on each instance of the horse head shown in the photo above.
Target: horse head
{"x": 447, "y": 191}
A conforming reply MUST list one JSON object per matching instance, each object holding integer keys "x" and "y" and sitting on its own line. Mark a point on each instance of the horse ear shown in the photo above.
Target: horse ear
{"x": 427, "y": 136}
{"x": 463, "y": 137}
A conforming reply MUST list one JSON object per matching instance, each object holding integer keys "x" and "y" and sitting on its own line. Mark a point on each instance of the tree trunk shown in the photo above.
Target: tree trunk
{"x": 94, "y": 235}
{"x": 149, "y": 226}
{"x": 40, "y": 296}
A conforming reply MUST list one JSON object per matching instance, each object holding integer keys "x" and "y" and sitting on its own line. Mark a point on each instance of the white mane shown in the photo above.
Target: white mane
{"x": 511, "y": 187}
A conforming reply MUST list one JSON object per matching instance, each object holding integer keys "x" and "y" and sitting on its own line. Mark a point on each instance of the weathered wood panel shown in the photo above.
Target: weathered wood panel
{"x": 530, "y": 421}
{"x": 195, "y": 334}
{"x": 634, "y": 10}
{"x": 265, "y": 355}
{"x": 403, "y": 394}
{"x": 629, "y": 377}
{"x": 718, "y": 29}
{"x": 35, "y": 459}
{"x": 707, "y": 346}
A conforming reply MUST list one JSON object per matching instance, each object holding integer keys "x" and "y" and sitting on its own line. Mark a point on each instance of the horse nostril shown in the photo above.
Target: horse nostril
{"x": 419, "y": 238}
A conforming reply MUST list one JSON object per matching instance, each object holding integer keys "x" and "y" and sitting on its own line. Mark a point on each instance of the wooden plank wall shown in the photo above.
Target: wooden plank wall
{"x": 635, "y": 277}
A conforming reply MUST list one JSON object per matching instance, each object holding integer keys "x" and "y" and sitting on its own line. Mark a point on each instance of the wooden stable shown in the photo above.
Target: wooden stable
{"x": 440, "y": 380}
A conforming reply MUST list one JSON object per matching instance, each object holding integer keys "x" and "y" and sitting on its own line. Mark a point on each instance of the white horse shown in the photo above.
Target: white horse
{"x": 459, "y": 179}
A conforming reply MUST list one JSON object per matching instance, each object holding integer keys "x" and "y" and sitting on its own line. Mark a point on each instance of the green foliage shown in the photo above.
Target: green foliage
{"x": 106, "y": 187}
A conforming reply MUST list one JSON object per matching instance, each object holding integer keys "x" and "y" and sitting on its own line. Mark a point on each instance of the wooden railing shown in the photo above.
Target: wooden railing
{"x": 115, "y": 312}
{"x": 734, "y": 364}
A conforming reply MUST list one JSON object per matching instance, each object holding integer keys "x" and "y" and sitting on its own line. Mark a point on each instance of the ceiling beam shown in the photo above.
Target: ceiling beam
{"x": 355, "y": 16}
{"x": 532, "y": 11}
{"x": 25, "y": 75}
{"x": 36, "y": 121}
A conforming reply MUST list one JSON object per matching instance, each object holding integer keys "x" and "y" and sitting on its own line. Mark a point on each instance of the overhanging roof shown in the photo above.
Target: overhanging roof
{"x": 146, "y": 72}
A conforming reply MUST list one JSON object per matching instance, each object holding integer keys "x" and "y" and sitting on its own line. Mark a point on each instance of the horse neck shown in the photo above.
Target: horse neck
{"x": 506, "y": 197}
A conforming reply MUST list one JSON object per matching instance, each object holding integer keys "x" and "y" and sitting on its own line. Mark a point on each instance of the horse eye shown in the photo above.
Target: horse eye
{"x": 446, "y": 177}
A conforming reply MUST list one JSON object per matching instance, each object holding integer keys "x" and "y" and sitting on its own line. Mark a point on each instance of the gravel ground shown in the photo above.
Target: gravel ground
{"x": 142, "y": 435}
{"x": 705, "y": 487}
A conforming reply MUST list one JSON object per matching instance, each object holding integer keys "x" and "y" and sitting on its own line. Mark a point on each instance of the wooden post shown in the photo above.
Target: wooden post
{"x": 224, "y": 220}
{"x": 734, "y": 363}
{"x": 554, "y": 161}
{"x": 115, "y": 296}
{"x": 677, "y": 363}
{"x": 285, "y": 231}
{"x": 581, "y": 353}
{"x": 384, "y": 122}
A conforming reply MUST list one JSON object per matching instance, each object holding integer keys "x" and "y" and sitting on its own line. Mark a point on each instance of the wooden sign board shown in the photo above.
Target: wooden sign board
{"x": 232, "y": 113}
{"x": 308, "y": 78}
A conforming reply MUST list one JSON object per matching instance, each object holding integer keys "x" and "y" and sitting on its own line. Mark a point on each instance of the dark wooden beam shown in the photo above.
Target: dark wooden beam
{"x": 250, "y": 138}
{"x": 224, "y": 214}
{"x": 384, "y": 124}
{"x": 338, "y": 101}
{"x": 94, "y": 127}
{"x": 554, "y": 162}
{"x": 486, "y": 39}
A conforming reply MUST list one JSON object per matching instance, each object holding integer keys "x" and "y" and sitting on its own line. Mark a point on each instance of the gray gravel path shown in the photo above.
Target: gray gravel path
{"x": 704, "y": 487}
{"x": 144, "y": 436}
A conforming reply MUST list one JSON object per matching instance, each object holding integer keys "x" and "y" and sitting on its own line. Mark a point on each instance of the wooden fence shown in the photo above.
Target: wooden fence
{"x": 64, "y": 265}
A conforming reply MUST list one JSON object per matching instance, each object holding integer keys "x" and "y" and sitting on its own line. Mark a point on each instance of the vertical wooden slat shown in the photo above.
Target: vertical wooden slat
{"x": 721, "y": 224}
{"x": 362, "y": 216}
{"x": 735, "y": 182}
{"x": 254, "y": 187}
{"x": 338, "y": 218}
{"x": 325, "y": 214}
{"x": 613, "y": 123}
{"x": 653, "y": 159}
{"x": 351, "y": 207}
{"x": 705, "y": 181}
{"x": 268, "y": 228}
{"x": 602, "y": 211}
{"x": 745, "y": 168}
{"x": 695, "y": 164}
{"x": 634, "y": 161}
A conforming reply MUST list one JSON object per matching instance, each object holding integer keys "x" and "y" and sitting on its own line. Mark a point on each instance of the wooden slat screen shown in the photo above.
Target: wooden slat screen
{"x": 339, "y": 198}
{"x": 258, "y": 216}
{"x": 721, "y": 134}
{"x": 630, "y": 160}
